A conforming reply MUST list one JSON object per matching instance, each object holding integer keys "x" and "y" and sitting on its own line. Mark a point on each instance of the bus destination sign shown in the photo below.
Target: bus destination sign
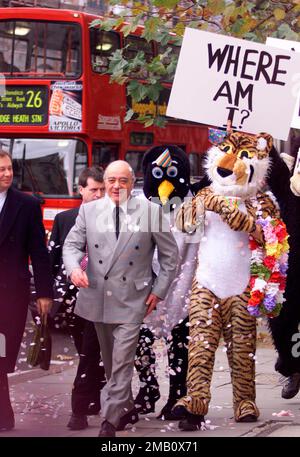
{"x": 24, "y": 105}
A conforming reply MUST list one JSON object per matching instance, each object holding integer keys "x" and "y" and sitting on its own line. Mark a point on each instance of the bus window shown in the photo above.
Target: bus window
{"x": 80, "y": 163}
{"x": 141, "y": 138}
{"x": 104, "y": 153}
{"x": 46, "y": 166}
{"x": 196, "y": 159}
{"x": 174, "y": 52}
{"x": 135, "y": 158}
{"x": 40, "y": 49}
{"x": 134, "y": 45}
{"x": 103, "y": 44}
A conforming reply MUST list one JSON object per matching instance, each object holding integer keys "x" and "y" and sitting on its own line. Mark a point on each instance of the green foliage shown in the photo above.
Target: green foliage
{"x": 216, "y": 6}
{"x": 136, "y": 90}
{"x": 151, "y": 26}
{"x": 165, "y": 3}
{"x": 284, "y": 31}
{"x": 164, "y": 22}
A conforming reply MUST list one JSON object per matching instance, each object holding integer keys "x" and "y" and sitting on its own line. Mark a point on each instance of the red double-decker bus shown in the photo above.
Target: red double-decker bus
{"x": 59, "y": 112}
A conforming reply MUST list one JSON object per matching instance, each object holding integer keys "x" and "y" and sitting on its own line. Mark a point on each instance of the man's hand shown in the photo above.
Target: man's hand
{"x": 44, "y": 305}
{"x": 79, "y": 278}
{"x": 151, "y": 302}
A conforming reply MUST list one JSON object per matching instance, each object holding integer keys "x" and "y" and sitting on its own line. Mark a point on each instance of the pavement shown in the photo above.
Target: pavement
{"x": 41, "y": 401}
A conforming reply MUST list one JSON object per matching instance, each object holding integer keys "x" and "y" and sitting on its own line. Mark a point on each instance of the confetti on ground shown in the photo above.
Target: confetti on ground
{"x": 284, "y": 413}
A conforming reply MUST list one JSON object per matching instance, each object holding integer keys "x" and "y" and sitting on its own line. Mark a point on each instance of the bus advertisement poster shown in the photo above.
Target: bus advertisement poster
{"x": 24, "y": 105}
{"x": 65, "y": 107}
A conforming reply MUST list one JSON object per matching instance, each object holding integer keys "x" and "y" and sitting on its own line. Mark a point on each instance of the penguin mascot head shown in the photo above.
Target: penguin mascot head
{"x": 166, "y": 172}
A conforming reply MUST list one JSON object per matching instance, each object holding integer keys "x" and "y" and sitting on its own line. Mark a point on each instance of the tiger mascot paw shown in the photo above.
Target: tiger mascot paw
{"x": 246, "y": 411}
{"x": 191, "y": 404}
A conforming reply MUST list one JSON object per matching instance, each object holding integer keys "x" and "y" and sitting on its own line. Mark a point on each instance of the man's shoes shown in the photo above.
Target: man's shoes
{"x": 107, "y": 430}
{"x": 167, "y": 413}
{"x": 291, "y": 387}
{"x": 130, "y": 418}
{"x": 146, "y": 399}
{"x": 77, "y": 422}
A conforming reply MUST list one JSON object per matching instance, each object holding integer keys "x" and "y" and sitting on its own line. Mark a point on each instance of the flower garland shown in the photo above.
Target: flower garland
{"x": 268, "y": 269}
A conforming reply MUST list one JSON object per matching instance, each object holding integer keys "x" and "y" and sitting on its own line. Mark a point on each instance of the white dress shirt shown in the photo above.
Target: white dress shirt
{"x": 2, "y": 199}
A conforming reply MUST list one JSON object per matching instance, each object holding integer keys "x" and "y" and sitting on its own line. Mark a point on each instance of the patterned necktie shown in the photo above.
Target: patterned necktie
{"x": 117, "y": 221}
{"x": 84, "y": 262}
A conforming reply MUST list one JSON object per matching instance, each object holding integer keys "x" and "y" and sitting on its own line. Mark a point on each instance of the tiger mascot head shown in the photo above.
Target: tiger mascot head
{"x": 238, "y": 166}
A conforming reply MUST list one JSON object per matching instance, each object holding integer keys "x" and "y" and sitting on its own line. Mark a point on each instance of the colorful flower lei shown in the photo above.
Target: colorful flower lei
{"x": 268, "y": 269}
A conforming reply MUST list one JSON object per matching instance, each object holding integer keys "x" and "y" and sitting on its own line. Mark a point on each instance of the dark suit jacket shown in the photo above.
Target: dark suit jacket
{"x": 22, "y": 236}
{"x": 63, "y": 223}
{"x": 286, "y": 324}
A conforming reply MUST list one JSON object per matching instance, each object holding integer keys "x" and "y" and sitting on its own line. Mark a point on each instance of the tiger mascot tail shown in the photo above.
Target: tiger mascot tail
{"x": 236, "y": 272}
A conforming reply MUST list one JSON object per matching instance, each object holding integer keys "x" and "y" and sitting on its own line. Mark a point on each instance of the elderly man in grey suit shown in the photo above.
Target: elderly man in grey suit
{"x": 118, "y": 289}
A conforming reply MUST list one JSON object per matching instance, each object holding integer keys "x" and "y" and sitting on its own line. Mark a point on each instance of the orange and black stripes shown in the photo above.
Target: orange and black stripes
{"x": 209, "y": 318}
{"x": 237, "y": 220}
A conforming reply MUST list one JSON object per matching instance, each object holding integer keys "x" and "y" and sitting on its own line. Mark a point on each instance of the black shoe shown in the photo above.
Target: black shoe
{"x": 191, "y": 422}
{"x": 145, "y": 400}
{"x": 291, "y": 386}
{"x": 78, "y": 422}
{"x": 107, "y": 430}
{"x": 168, "y": 414}
{"x": 130, "y": 418}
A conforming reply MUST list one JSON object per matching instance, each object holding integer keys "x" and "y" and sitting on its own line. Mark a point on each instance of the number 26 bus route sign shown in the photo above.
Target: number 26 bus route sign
{"x": 24, "y": 105}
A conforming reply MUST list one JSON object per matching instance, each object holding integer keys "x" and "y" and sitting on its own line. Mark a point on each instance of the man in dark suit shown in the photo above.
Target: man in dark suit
{"x": 22, "y": 236}
{"x": 90, "y": 377}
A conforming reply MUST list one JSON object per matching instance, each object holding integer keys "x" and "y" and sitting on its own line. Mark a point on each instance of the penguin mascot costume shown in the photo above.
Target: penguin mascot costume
{"x": 166, "y": 172}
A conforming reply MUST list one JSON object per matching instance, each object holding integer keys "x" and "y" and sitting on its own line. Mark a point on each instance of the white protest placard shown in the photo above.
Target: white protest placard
{"x": 291, "y": 46}
{"x": 219, "y": 78}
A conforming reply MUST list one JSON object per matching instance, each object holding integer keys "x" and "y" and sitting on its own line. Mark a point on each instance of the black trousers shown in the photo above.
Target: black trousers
{"x": 6, "y": 411}
{"x": 90, "y": 376}
{"x": 177, "y": 348}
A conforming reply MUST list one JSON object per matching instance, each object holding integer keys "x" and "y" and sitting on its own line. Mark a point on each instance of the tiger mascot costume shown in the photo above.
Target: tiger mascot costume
{"x": 233, "y": 206}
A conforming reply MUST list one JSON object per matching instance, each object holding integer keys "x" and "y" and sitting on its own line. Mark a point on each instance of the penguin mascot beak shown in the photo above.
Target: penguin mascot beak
{"x": 164, "y": 191}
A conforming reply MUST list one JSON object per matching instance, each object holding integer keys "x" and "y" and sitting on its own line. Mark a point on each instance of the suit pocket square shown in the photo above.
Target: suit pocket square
{"x": 140, "y": 284}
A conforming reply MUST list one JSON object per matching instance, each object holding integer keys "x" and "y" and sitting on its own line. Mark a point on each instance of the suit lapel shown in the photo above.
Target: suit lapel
{"x": 9, "y": 212}
{"x": 104, "y": 222}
